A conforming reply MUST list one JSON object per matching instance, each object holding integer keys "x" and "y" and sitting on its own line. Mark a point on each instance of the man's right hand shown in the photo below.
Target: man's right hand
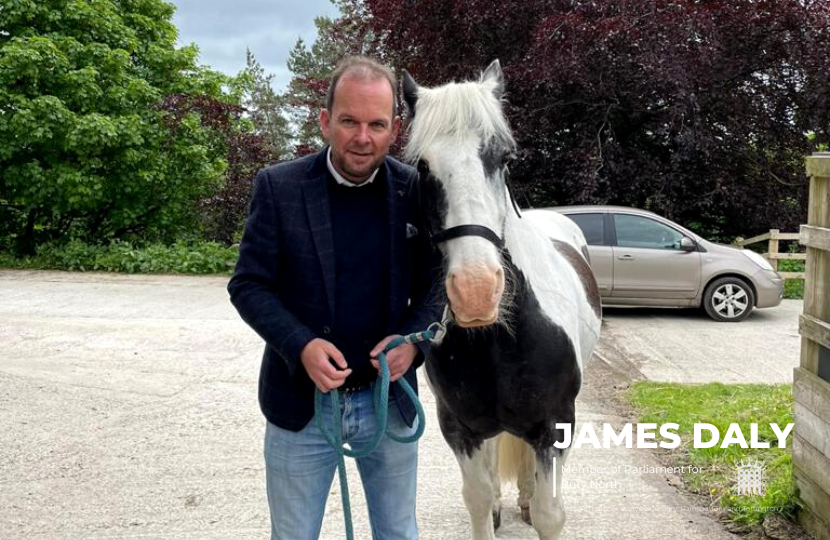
{"x": 316, "y": 357}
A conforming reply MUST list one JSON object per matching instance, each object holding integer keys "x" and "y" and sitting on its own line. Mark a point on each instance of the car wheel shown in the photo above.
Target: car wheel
{"x": 728, "y": 299}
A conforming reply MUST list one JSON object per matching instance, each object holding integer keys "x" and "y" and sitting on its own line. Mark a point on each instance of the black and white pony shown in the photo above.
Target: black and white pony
{"x": 523, "y": 309}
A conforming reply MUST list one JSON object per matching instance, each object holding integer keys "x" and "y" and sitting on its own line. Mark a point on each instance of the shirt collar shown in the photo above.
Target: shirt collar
{"x": 339, "y": 178}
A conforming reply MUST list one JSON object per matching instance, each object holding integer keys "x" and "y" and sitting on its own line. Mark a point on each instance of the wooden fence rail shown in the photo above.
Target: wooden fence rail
{"x": 772, "y": 254}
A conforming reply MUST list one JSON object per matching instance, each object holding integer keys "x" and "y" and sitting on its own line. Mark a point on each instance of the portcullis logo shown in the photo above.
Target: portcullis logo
{"x": 752, "y": 477}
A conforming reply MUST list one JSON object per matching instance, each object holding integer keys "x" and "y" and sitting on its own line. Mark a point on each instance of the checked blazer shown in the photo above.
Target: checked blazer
{"x": 284, "y": 282}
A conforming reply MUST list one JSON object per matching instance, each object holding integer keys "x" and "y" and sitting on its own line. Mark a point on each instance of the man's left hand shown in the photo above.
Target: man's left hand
{"x": 399, "y": 358}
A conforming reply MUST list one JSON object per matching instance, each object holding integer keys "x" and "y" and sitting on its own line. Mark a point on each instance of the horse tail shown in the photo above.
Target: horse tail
{"x": 515, "y": 456}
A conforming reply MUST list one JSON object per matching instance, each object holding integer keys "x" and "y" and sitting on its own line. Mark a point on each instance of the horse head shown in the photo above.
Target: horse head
{"x": 461, "y": 141}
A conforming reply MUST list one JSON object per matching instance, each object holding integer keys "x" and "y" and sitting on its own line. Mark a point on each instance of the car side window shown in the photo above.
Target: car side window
{"x": 592, "y": 227}
{"x": 643, "y": 232}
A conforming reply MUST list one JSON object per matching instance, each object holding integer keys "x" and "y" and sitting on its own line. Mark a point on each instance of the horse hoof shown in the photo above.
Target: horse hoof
{"x": 526, "y": 514}
{"x": 496, "y": 519}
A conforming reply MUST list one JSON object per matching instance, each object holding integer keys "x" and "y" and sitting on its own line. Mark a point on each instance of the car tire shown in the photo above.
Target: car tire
{"x": 728, "y": 299}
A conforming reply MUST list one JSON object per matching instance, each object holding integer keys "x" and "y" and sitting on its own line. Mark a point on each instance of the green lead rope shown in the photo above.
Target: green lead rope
{"x": 334, "y": 436}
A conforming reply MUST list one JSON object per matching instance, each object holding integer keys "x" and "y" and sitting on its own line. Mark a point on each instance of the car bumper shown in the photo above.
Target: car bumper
{"x": 769, "y": 288}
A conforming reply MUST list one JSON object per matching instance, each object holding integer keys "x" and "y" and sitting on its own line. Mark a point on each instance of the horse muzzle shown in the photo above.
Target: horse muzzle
{"x": 474, "y": 323}
{"x": 475, "y": 295}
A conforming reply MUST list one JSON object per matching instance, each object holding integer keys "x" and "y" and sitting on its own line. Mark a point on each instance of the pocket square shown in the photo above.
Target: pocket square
{"x": 411, "y": 230}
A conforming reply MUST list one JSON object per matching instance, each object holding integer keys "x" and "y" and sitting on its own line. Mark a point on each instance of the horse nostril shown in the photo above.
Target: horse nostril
{"x": 461, "y": 286}
{"x": 453, "y": 284}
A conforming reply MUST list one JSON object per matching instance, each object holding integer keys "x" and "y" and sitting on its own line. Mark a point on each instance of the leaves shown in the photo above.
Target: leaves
{"x": 179, "y": 257}
{"x": 222, "y": 210}
{"x": 85, "y": 150}
{"x": 350, "y": 34}
{"x": 264, "y": 107}
{"x": 696, "y": 110}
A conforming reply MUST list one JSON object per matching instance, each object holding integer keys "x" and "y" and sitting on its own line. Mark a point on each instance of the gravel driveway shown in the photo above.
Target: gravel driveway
{"x": 128, "y": 410}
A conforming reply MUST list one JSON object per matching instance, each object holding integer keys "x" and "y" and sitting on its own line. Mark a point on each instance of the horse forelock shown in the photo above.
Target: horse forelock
{"x": 459, "y": 128}
{"x": 457, "y": 111}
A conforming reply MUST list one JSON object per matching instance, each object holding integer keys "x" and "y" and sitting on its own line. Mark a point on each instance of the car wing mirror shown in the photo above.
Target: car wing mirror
{"x": 687, "y": 244}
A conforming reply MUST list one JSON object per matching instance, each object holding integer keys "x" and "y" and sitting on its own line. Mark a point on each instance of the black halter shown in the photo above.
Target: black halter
{"x": 468, "y": 230}
{"x": 465, "y": 230}
{"x": 460, "y": 230}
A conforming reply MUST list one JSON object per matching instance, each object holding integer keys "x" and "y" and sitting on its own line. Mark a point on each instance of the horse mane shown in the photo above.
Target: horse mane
{"x": 454, "y": 110}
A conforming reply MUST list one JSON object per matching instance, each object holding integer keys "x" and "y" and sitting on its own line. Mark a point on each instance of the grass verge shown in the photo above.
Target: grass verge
{"x": 722, "y": 405}
{"x": 178, "y": 258}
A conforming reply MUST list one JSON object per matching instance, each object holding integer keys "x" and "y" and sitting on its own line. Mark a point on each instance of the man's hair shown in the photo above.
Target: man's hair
{"x": 362, "y": 68}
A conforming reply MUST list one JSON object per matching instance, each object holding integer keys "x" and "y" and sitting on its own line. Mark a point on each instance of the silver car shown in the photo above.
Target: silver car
{"x": 642, "y": 259}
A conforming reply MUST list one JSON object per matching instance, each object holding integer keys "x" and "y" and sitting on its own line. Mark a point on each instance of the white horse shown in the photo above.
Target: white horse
{"x": 523, "y": 308}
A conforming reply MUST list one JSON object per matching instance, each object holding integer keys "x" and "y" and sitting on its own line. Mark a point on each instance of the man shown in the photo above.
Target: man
{"x": 333, "y": 264}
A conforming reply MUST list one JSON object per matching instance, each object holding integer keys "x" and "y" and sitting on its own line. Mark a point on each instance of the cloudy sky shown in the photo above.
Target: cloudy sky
{"x": 223, "y": 29}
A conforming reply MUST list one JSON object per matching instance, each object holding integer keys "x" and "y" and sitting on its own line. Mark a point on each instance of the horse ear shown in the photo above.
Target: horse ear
{"x": 493, "y": 73}
{"x": 410, "y": 92}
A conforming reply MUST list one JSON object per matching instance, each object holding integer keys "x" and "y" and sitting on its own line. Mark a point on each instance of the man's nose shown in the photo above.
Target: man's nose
{"x": 362, "y": 135}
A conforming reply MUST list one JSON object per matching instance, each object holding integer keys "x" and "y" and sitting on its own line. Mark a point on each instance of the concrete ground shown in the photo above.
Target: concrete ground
{"x": 128, "y": 410}
{"x": 682, "y": 345}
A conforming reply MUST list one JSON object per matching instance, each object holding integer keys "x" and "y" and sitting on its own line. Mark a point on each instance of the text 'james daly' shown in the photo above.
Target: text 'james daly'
{"x": 705, "y": 436}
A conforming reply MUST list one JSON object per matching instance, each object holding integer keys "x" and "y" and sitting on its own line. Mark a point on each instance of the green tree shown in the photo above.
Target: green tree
{"x": 222, "y": 214}
{"x": 85, "y": 150}
{"x": 694, "y": 109}
{"x": 265, "y": 107}
{"x": 311, "y": 68}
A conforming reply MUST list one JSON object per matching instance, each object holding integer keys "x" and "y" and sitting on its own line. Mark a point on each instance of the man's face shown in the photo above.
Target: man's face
{"x": 360, "y": 128}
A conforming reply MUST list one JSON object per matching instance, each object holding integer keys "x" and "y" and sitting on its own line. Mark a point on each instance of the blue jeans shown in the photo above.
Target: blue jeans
{"x": 300, "y": 468}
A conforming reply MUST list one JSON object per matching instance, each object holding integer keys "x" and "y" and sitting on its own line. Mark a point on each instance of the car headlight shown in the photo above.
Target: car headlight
{"x": 757, "y": 259}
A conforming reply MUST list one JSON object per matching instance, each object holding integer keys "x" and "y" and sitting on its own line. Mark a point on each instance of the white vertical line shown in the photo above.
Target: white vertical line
{"x": 554, "y": 476}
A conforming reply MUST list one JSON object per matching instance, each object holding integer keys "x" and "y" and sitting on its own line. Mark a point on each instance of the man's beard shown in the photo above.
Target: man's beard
{"x": 364, "y": 172}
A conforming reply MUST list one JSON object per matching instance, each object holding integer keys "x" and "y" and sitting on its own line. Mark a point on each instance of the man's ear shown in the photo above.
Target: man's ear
{"x": 396, "y": 127}
{"x": 325, "y": 123}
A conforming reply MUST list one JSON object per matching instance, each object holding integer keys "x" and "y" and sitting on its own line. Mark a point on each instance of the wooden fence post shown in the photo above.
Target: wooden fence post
{"x": 772, "y": 251}
{"x": 811, "y": 380}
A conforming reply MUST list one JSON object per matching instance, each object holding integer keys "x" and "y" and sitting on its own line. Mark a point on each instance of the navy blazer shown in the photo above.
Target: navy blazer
{"x": 283, "y": 284}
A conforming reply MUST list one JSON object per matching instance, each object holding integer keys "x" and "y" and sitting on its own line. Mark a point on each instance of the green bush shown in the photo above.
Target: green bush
{"x": 793, "y": 288}
{"x": 179, "y": 258}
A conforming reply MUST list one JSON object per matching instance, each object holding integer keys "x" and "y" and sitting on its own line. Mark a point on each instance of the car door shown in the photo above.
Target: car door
{"x": 595, "y": 227}
{"x": 649, "y": 262}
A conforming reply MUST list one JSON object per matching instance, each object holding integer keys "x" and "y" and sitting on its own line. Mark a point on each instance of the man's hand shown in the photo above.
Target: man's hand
{"x": 316, "y": 357}
{"x": 399, "y": 358}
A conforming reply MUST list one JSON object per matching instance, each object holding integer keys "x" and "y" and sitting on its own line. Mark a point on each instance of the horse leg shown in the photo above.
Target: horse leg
{"x": 478, "y": 490}
{"x": 518, "y": 462}
{"x": 546, "y": 505}
{"x": 477, "y": 461}
{"x": 494, "y": 477}
{"x": 526, "y": 482}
